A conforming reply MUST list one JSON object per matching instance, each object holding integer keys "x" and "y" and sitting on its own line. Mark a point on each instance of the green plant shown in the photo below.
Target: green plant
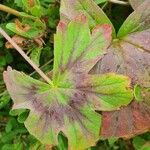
{"x": 84, "y": 95}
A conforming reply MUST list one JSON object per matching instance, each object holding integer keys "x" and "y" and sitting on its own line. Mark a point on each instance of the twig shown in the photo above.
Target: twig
{"x": 15, "y": 12}
{"x": 47, "y": 63}
{"x": 119, "y": 2}
{"x": 39, "y": 71}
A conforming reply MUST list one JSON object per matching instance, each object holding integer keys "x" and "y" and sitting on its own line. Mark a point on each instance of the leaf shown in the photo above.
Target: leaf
{"x": 138, "y": 142}
{"x": 23, "y": 116}
{"x": 18, "y": 39}
{"x": 36, "y": 11}
{"x": 62, "y": 142}
{"x": 76, "y": 49}
{"x": 2, "y": 61}
{"x": 4, "y": 100}
{"x": 100, "y": 1}
{"x": 35, "y": 55}
{"x": 71, "y": 8}
{"x": 138, "y": 21}
{"x": 136, "y": 3}
{"x": 10, "y": 124}
{"x": 129, "y": 55}
{"x": 127, "y": 122}
{"x": 137, "y": 93}
{"x": 26, "y": 30}
{"x": 69, "y": 105}
{"x": 50, "y": 112}
{"x": 33, "y": 6}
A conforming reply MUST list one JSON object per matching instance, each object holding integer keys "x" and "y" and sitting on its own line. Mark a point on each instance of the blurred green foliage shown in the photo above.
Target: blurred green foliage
{"x": 13, "y": 134}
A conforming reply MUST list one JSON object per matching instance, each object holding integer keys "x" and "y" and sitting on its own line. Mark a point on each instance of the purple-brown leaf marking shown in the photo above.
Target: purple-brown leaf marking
{"x": 127, "y": 122}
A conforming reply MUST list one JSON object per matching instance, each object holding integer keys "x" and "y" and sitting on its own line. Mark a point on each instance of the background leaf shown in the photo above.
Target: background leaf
{"x": 136, "y": 3}
{"x": 71, "y": 8}
{"x": 129, "y": 55}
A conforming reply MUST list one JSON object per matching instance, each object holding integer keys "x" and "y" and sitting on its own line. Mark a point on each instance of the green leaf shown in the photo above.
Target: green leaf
{"x": 137, "y": 21}
{"x": 76, "y": 49}
{"x": 35, "y": 55}
{"x": 138, "y": 93}
{"x": 32, "y": 32}
{"x": 16, "y": 112}
{"x": 36, "y": 11}
{"x": 33, "y": 6}
{"x": 100, "y": 1}
{"x": 21, "y": 113}
{"x": 138, "y": 142}
{"x": 23, "y": 116}
{"x": 69, "y": 105}
{"x": 18, "y": 3}
{"x": 71, "y": 8}
{"x": 4, "y": 100}
{"x": 2, "y": 61}
{"x": 62, "y": 142}
{"x": 1, "y": 43}
{"x": 10, "y": 124}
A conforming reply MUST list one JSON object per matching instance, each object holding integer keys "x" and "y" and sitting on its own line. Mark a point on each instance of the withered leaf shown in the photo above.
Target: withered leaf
{"x": 18, "y": 39}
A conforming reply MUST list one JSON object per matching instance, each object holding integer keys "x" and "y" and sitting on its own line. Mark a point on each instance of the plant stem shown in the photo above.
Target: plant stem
{"x": 15, "y": 12}
{"x": 47, "y": 63}
{"x": 39, "y": 71}
{"x": 119, "y": 2}
{"x": 9, "y": 10}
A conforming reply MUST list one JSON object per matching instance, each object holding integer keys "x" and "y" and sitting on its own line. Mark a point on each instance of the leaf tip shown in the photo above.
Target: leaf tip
{"x": 5, "y": 73}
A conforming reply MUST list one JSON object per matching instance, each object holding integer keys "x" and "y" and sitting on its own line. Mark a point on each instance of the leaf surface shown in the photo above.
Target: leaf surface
{"x": 71, "y": 8}
{"x": 69, "y": 105}
{"x": 136, "y": 3}
{"x": 127, "y": 122}
{"x": 129, "y": 55}
{"x": 76, "y": 49}
{"x": 138, "y": 21}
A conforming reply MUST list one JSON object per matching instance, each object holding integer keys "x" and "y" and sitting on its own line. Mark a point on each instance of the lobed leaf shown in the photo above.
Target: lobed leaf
{"x": 129, "y": 55}
{"x": 69, "y": 105}
{"x": 53, "y": 110}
